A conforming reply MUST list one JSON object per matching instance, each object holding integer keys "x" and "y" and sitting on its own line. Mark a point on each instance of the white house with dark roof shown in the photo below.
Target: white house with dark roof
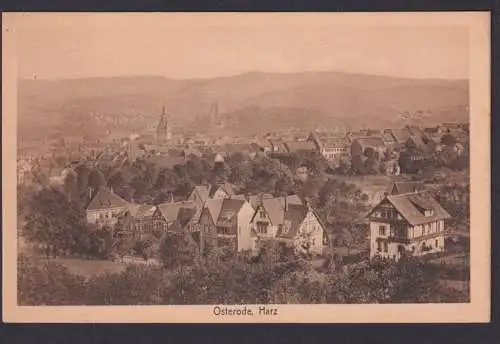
{"x": 289, "y": 221}
{"x": 105, "y": 207}
{"x": 225, "y": 222}
{"x": 331, "y": 147}
{"x": 411, "y": 223}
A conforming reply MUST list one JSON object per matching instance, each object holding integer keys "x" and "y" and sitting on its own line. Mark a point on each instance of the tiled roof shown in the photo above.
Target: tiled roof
{"x": 226, "y": 187}
{"x": 375, "y": 142}
{"x": 229, "y": 209}
{"x": 105, "y": 199}
{"x": 401, "y": 135}
{"x": 275, "y": 207}
{"x": 255, "y": 199}
{"x": 294, "y": 146}
{"x": 293, "y": 218}
{"x": 170, "y": 211}
{"x": 202, "y": 191}
{"x": 223, "y": 207}
{"x": 334, "y": 142}
{"x": 408, "y": 206}
{"x": 407, "y": 187}
{"x": 141, "y": 210}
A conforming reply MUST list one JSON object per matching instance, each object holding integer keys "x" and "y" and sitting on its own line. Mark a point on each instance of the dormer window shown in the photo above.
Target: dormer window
{"x": 286, "y": 227}
{"x": 428, "y": 212}
{"x": 262, "y": 213}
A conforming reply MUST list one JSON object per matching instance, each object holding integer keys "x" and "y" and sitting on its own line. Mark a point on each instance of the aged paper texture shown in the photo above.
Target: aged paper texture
{"x": 246, "y": 167}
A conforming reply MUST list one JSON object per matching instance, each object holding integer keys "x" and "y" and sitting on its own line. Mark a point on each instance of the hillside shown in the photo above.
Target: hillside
{"x": 246, "y": 101}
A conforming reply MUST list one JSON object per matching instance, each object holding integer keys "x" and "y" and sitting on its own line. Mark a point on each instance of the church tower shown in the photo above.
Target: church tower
{"x": 163, "y": 133}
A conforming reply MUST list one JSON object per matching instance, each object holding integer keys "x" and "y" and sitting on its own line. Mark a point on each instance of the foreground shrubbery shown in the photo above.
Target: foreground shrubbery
{"x": 235, "y": 281}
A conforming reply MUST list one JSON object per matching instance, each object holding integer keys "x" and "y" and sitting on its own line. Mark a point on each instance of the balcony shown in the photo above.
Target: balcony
{"x": 406, "y": 240}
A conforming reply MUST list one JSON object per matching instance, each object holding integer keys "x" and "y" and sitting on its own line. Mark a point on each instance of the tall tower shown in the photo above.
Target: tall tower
{"x": 163, "y": 133}
{"x": 215, "y": 119}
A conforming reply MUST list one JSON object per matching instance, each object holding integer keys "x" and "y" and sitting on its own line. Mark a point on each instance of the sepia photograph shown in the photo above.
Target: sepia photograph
{"x": 246, "y": 167}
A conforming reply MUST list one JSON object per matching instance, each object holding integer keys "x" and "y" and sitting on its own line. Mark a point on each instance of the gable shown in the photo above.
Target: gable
{"x": 384, "y": 205}
{"x": 206, "y": 218}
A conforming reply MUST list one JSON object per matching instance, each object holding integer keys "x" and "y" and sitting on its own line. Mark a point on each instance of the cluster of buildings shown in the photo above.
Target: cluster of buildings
{"x": 408, "y": 219}
{"x": 403, "y": 219}
{"x": 162, "y": 150}
{"x": 216, "y": 217}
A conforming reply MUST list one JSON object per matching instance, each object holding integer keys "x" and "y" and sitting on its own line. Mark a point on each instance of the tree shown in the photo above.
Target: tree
{"x": 120, "y": 185}
{"x": 96, "y": 179}
{"x": 70, "y": 186}
{"x": 123, "y": 238}
{"x": 448, "y": 140}
{"x": 177, "y": 249}
{"x": 55, "y": 222}
{"x": 101, "y": 242}
{"x": 47, "y": 283}
{"x": 358, "y": 164}
{"x": 372, "y": 165}
{"x": 137, "y": 285}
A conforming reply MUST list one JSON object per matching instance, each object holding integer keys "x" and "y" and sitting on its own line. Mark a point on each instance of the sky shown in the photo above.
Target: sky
{"x": 183, "y": 46}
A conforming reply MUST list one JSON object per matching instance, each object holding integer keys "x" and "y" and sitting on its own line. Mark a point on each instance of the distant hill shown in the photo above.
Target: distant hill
{"x": 247, "y": 101}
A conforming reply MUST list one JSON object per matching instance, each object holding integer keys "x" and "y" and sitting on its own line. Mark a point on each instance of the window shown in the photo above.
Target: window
{"x": 386, "y": 246}
{"x": 382, "y": 230}
{"x": 379, "y": 246}
{"x": 286, "y": 227}
{"x": 437, "y": 243}
{"x": 262, "y": 213}
{"x": 262, "y": 228}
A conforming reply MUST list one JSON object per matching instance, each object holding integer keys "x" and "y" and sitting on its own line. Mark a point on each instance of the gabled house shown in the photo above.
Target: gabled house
{"x": 172, "y": 216}
{"x": 409, "y": 223}
{"x": 294, "y": 224}
{"x": 105, "y": 207}
{"x": 277, "y": 146}
{"x": 199, "y": 195}
{"x": 331, "y": 147}
{"x": 142, "y": 217}
{"x": 224, "y": 190}
{"x": 422, "y": 143}
{"x": 226, "y": 223}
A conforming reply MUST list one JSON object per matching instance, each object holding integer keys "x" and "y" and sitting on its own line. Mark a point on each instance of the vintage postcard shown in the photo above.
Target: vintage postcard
{"x": 246, "y": 167}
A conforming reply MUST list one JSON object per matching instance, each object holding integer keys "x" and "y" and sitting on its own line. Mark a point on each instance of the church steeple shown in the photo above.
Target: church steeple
{"x": 163, "y": 130}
